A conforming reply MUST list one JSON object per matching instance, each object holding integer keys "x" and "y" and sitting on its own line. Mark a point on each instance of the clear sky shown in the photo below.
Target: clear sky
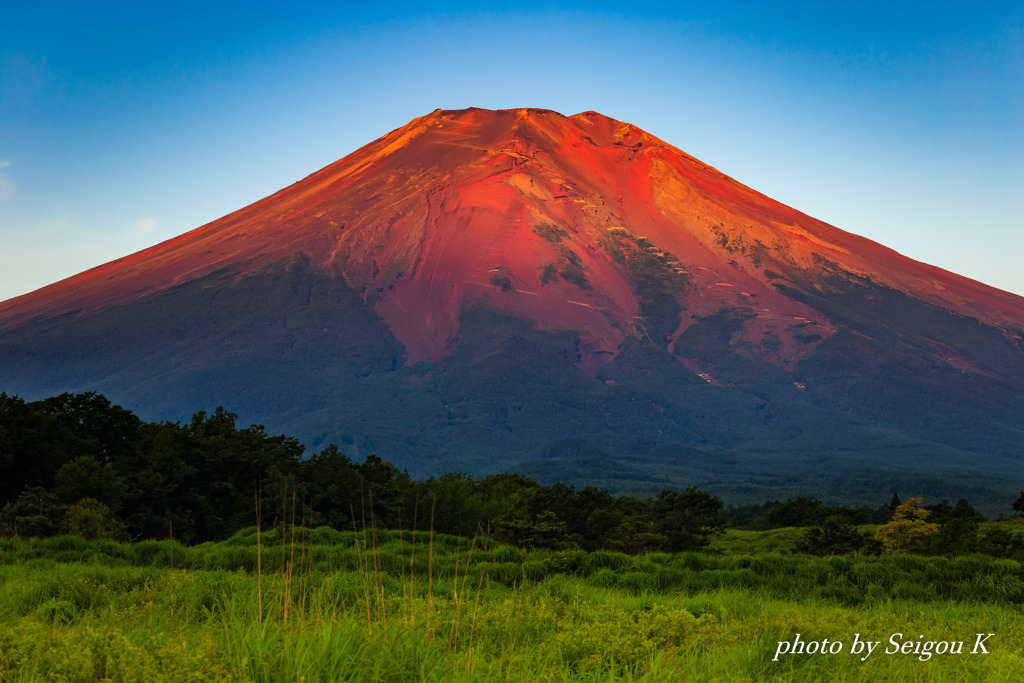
{"x": 126, "y": 123}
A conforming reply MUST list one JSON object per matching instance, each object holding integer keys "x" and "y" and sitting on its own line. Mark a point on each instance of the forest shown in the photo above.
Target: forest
{"x": 78, "y": 464}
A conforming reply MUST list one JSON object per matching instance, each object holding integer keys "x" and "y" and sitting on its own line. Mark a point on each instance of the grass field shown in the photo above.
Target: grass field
{"x": 322, "y": 605}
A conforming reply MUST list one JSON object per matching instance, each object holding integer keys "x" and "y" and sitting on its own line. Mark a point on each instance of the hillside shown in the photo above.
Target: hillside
{"x": 570, "y": 297}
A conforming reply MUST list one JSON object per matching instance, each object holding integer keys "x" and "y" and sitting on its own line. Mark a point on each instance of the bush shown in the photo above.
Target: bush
{"x": 91, "y": 519}
{"x": 907, "y": 528}
{"x": 834, "y": 536}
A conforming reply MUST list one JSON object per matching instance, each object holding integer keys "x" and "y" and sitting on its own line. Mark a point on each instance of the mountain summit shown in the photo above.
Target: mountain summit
{"x": 570, "y": 296}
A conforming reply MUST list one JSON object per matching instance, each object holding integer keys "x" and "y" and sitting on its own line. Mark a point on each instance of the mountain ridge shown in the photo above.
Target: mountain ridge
{"x": 265, "y": 221}
{"x": 406, "y": 298}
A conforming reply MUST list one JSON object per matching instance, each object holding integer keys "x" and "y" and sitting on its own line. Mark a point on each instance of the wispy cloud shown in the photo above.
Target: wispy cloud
{"x": 142, "y": 228}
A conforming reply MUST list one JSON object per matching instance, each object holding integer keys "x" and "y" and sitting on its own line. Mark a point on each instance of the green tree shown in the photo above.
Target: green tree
{"x": 909, "y": 526}
{"x": 943, "y": 511}
{"x": 87, "y": 477}
{"x": 799, "y": 511}
{"x": 956, "y": 536}
{"x": 97, "y": 427}
{"x": 385, "y": 488}
{"x": 36, "y": 513}
{"x": 687, "y": 519}
{"x": 999, "y": 542}
{"x": 636, "y": 534}
{"x": 229, "y": 462}
{"x": 598, "y": 517}
{"x": 34, "y": 447}
{"x": 332, "y": 484}
{"x": 453, "y": 501}
{"x": 958, "y": 530}
{"x": 835, "y": 535}
{"x": 91, "y": 519}
{"x": 163, "y": 483}
{"x": 525, "y": 530}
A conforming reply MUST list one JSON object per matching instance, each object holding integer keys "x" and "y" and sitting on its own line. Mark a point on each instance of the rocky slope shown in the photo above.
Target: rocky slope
{"x": 571, "y": 296}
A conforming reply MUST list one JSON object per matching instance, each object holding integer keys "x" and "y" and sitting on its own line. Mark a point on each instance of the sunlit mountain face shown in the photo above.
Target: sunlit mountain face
{"x": 569, "y": 297}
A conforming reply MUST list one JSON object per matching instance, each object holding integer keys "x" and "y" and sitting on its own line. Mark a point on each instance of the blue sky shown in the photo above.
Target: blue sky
{"x": 124, "y": 124}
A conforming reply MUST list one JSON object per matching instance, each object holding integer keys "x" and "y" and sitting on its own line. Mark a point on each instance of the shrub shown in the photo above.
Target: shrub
{"x": 907, "y": 528}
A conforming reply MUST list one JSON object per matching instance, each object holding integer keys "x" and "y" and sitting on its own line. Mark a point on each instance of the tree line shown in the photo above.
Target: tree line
{"x": 76, "y": 463}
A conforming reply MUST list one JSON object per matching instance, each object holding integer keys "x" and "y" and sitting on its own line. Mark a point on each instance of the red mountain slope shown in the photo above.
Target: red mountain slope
{"x": 526, "y": 208}
{"x": 604, "y": 308}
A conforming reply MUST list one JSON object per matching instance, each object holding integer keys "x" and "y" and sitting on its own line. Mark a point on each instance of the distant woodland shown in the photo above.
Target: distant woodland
{"x": 77, "y": 464}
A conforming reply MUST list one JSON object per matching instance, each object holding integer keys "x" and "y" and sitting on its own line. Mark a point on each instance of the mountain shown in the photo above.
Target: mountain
{"x": 570, "y": 297}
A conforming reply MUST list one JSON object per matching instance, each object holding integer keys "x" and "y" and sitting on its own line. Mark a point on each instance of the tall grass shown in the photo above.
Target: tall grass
{"x": 322, "y": 605}
{"x": 387, "y": 560}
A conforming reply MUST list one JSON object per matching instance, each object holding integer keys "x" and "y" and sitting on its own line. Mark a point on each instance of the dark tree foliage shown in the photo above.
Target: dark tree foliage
{"x": 384, "y": 490}
{"x": 944, "y": 512}
{"x": 956, "y": 536}
{"x": 332, "y": 485}
{"x": 87, "y": 477}
{"x": 1018, "y": 505}
{"x": 36, "y": 512}
{"x": 96, "y": 427}
{"x": 76, "y": 463}
{"x": 750, "y": 516}
{"x": 799, "y": 511}
{"x": 637, "y": 534}
{"x": 835, "y": 535}
{"x": 543, "y": 530}
{"x": 34, "y": 446}
{"x": 958, "y": 532}
{"x": 1000, "y": 543}
{"x": 453, "y": 500}
{"x": 91, "y": 519}
{"x": 688, "y": 519}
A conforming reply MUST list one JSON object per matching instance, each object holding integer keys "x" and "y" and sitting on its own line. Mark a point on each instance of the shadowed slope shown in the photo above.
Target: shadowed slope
{"x": 483, "y": 288}
{"x": 425, "y": 218}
